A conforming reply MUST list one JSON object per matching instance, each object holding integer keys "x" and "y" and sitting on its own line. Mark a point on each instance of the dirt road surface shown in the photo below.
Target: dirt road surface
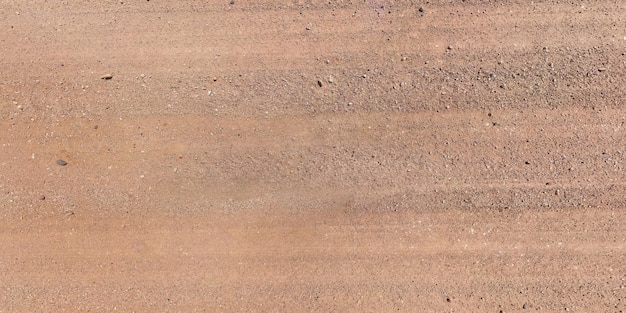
{"x": 310, "y": 156}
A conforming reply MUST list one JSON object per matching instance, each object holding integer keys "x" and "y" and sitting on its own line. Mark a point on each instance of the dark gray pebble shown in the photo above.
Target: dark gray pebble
{"x": 61, "y": 162}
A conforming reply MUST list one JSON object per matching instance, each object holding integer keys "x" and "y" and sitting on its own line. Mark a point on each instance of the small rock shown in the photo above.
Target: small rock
{"x": 331, "y": 79}
{"x": 61, "y": 162}
{"x": 403, "y": 59}
{"x": 107, "y": 76}
{"x": 421, "y": 10}
{"x": 95, "y": 127}
{"x": 232, "y": 2}
{"x": 42, "y": 197}
{"x": 602, "y": 69}
{"x": 319, "y": 83}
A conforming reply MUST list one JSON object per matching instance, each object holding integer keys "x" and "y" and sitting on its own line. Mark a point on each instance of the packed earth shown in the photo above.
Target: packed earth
{"x": 313, "y": 156}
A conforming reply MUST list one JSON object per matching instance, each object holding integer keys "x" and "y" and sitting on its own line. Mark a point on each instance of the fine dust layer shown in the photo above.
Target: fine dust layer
{"x": 298, "y": 156}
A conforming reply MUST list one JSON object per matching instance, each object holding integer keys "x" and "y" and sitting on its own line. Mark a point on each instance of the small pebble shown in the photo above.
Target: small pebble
{"x": 107, "y": 76}
{"x": 61, "y": 162}
{"x": 42, "y": 197}
{"x": 319, "y": 83}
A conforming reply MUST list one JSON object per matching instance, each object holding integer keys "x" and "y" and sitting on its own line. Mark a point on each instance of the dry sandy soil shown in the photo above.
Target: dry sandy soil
{"x": 311, "y": 156}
